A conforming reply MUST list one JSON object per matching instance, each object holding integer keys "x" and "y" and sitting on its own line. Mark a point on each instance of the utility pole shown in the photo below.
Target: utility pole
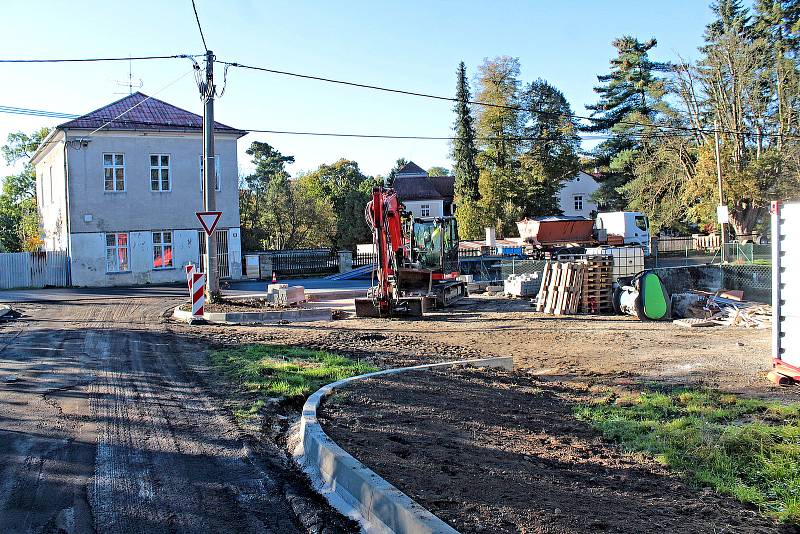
{"x": 209, "y": 178}
{"x": 719, "y": 187}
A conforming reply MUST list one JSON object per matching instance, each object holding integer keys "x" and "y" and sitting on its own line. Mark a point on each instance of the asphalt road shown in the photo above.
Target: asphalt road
{"x": 106, "y": 427}
{"x": 240, "y": 288}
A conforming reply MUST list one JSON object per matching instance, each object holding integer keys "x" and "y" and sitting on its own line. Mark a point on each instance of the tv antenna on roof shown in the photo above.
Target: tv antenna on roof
{"x": 130, "y": 84}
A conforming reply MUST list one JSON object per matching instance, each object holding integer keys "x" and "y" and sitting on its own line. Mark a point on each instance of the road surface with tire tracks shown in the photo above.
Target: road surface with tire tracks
{"x": 105, "y": 426}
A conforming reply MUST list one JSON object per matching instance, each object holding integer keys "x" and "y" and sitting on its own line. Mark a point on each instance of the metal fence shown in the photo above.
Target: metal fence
{"x": 754, "y": 280}
{"x": 33, "y": 269}
{"x": 305, "y": 262}
{"x": 362, "y": 259}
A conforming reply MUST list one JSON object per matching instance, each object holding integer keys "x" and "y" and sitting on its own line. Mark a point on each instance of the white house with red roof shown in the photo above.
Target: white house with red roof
{"x": 118, "y": 189}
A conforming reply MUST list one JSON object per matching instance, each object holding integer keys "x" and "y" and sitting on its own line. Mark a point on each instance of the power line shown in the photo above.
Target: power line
{"x": 663, "y": 127}
{"x": 199, "y": 27}
{"x": 94, "y": 59}
{"x": 36, "y": 112}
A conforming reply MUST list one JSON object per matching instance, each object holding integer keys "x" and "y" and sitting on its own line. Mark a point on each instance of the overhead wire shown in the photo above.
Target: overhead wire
{"x": 199, "y": 27}
{"x": 94, "y": 59}
{"x": 663, "y": 127}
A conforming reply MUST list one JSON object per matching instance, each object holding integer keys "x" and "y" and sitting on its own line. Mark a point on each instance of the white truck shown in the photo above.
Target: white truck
{"x": 632, "y": 226}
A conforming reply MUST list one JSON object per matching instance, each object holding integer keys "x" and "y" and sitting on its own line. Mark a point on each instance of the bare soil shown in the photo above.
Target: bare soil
{"x": 613, "y": 350}
{"x": 490, "y": 451}
{"x": 237, "y": 305}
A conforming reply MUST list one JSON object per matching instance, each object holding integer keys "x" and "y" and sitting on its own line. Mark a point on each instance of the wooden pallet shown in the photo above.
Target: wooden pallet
{"x": 560, "y": 292}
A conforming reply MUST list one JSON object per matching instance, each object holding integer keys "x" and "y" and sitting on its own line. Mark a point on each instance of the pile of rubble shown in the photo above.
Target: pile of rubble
{"x": 721, "y": 308}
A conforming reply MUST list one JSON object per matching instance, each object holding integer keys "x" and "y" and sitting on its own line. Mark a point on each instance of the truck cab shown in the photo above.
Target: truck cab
{"x": 632, "y": 226}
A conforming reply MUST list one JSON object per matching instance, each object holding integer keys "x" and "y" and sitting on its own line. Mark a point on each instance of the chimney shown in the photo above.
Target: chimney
{"x": 490, "y": 237}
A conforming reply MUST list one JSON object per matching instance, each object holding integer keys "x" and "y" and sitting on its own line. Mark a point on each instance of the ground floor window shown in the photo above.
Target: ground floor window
{"x": 425, "y": 210}
{"x": 117, "y": 252}
{"x": 162, "y": 250}
{"x": 578, "y": 200}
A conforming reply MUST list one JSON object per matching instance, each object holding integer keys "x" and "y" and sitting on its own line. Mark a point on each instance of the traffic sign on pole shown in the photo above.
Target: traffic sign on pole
{"x": 209, "y": 220}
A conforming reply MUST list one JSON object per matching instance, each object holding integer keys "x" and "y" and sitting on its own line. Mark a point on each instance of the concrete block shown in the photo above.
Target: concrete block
{"x": 289, "y": 296}
{"x": 468, "y": 278}
{"x": 273, "y": 288}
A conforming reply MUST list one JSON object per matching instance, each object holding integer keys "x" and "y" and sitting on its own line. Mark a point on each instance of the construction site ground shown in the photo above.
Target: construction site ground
{"x": 124, "y": 397}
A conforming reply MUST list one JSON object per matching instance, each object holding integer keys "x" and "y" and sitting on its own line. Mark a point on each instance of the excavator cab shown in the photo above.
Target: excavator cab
{"x": 433, "y": 244}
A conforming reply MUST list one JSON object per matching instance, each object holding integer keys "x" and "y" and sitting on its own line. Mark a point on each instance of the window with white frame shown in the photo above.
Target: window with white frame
{"x": 117, "y": 252}
{"x": 425, "y": 210}
{"x": 159, "y": 173}
{"x": 578, "y": 202}
{"x": 162, "y": 250}
{"x": 114, "y": 170}
{"x": 217, "y": 175}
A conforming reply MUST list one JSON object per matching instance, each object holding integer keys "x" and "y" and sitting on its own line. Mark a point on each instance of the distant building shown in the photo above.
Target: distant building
{"x": 423, "y": 195}
{"x": 121, "y": 201}
{"x": 575, "y": 195}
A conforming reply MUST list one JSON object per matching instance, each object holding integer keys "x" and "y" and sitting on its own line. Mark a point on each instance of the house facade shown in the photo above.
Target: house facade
{"x": 575, "y": 196}
{"x": 423, "y": 195}
{"x": 122, "y": 200}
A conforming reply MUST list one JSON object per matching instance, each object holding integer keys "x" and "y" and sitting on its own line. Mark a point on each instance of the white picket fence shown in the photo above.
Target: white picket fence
{"x": 33, "y": 269}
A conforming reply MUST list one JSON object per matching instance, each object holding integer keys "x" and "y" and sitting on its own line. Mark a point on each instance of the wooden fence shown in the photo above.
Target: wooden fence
{"x": 34, "y": 269}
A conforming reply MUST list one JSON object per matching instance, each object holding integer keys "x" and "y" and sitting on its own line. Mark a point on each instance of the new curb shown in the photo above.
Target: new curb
{"x": 351, "y": 487}
{"x": 271, "y": 316}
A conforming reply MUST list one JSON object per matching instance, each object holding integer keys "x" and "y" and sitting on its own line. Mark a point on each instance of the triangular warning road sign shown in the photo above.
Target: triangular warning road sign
{"x": 209, "y": 220}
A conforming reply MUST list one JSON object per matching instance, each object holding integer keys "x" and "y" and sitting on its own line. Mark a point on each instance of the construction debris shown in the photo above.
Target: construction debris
{"x": 725, "y": 308}
{"x": 694, "y": 322}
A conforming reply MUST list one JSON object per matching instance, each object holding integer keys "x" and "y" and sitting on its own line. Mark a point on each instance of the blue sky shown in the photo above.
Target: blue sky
{"x": 411, "y": 44}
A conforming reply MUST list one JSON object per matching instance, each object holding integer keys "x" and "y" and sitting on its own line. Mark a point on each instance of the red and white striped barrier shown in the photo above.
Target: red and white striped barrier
{"x": 198, "y": 294}
{"x": 189, "y": 269}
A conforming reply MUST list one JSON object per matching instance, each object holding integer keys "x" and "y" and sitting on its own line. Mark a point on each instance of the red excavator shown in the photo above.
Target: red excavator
{"x": 417, "y": 260}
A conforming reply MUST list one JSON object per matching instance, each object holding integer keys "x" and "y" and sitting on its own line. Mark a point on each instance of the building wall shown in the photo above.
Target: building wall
{"x": 88, "y": 262}
{"x": 584, "y": 185}
{"x": 51, "y": 197}
{"x": 139, "y": 208}
{"x": 415, "y": 207}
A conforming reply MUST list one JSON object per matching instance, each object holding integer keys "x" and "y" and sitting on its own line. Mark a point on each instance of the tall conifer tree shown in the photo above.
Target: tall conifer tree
{"x": 464, "y": 151}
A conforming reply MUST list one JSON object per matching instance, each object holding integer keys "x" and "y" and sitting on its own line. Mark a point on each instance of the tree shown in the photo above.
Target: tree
{"x": 19, "y": 216}
{"x": 393, "y": 173}
{"x": 343, "y": 187}
{"x": 498, "y": 125}
{"x": 747, "y": 86}
{"x": 464, "y": 150}
{"x": 277, "y": 212}
{"x": 550, "y": 151}
{"x": 498, "y": 131}
{"x": 631, "y": 92}
{"x": 438, "y": 171}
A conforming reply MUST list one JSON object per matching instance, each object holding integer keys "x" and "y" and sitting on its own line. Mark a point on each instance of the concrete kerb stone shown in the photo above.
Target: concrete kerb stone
{"x": 351, "y": 487}
{"x": 270, "y": 316}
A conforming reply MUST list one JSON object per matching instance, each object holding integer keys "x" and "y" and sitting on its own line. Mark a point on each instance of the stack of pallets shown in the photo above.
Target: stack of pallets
{"x": 596, "y": 293}
{"x": 560, "y": 292}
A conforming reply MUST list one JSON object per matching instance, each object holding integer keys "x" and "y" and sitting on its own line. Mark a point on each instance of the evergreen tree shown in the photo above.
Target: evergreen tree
{"x": 464, "y": 151}
{"x": 393, "y": 173}
{"x": 631, "y": 92}
{"x": 549, "y": 153}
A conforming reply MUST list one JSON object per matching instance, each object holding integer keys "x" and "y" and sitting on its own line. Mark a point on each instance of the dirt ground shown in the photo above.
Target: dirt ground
{"x": 604, "y": 349}
{"x": 111, "y": 421}
{"x": 491, "y": 451}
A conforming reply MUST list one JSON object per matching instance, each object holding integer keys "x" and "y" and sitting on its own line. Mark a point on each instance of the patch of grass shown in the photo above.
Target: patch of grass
{"x": 746, "y": 448}
{"x": 280, "y": 371}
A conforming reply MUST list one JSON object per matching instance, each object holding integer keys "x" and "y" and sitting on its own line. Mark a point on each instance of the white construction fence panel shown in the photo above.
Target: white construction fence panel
{"x": 786, "y": 283}
{"x": 33, "y": 269}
